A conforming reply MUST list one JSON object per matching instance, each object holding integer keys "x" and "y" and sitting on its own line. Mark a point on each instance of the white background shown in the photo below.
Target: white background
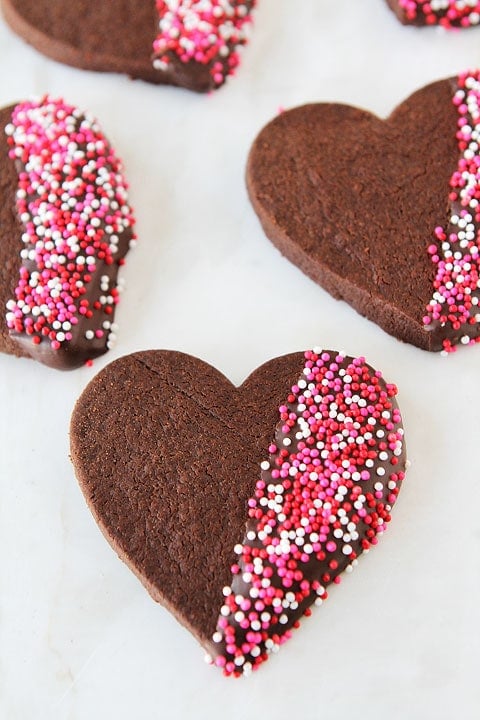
{"x": 79, "y": 636}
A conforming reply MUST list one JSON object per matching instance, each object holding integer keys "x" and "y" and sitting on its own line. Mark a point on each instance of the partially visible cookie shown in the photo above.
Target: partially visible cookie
{"x": 238, "y": 507}
{"x": 448, "y": 13}
{"x": 382, "y": 213}
{"x": 65, "y": 228}
{"x": 190, "y": 43}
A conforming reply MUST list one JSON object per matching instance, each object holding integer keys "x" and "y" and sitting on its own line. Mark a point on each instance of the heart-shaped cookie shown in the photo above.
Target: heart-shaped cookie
{"x": 382, "y": 213}
{"x": 191, "y": 43}
{"x": 237, "y": 507}
{"x": 447, "y": 13}
{"x": 65, "y": 228}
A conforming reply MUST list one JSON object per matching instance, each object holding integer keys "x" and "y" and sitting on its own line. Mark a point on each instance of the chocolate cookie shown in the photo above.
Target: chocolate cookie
{"x": 382, "y": 213}
{"x": 65, "y": 228}
{"x": 238, "y": 507}
{"x": 448, "y": 13}
{"x": 191, "y": 43}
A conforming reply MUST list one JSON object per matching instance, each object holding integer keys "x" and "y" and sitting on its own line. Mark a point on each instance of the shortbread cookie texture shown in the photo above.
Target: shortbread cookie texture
{"x": 447, "y": 13}
{"x": 382, "y": 213}
{"x": 191, "y": 43}
{"x": 65, "y": 228}
{"x": 237, "y": 507}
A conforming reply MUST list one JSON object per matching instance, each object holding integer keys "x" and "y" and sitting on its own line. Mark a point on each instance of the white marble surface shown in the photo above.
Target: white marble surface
{"x": 79, "y": 636}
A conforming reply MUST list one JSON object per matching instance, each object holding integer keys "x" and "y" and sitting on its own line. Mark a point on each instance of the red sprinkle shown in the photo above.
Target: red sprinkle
{"x": 72, "y": 201}
{"x": 452, "y": 13}
{"x": 316, "y": 507}
{"x": 208, "y": 32}
{"x": 456, "y": 254}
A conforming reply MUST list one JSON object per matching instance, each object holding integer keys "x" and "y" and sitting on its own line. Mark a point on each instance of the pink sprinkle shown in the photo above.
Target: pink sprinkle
{"x": 208, "y": 32}
{"x": 46, "y": 137}
{"x": 288, "y": 552}
{"x": 453, "y": 307}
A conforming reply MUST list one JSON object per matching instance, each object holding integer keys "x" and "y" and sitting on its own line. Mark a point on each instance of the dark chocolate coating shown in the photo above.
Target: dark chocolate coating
{"x": 353, "y": 200}
{"x": 420, "y": 19}
{"x": 103, "y": 35}
{"x": 71, "y": 354}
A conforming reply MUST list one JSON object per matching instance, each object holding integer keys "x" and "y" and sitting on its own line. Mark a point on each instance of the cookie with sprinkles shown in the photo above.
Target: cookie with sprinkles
{"x": 382, "y": 213}
{"x": 65, "y": 228}
{"x": 191, "y": 43}
{"x": 446, "y": 13}
{"x": 239, "y": 507}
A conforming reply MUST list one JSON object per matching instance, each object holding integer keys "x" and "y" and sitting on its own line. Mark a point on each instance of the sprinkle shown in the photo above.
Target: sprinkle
{"x": 456, "y": 254}
{"x": 208, "y": 32}
{"x": 306, "y": 527}
{"x": 72, "y": 201}
{"x": 447, "y": 13}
